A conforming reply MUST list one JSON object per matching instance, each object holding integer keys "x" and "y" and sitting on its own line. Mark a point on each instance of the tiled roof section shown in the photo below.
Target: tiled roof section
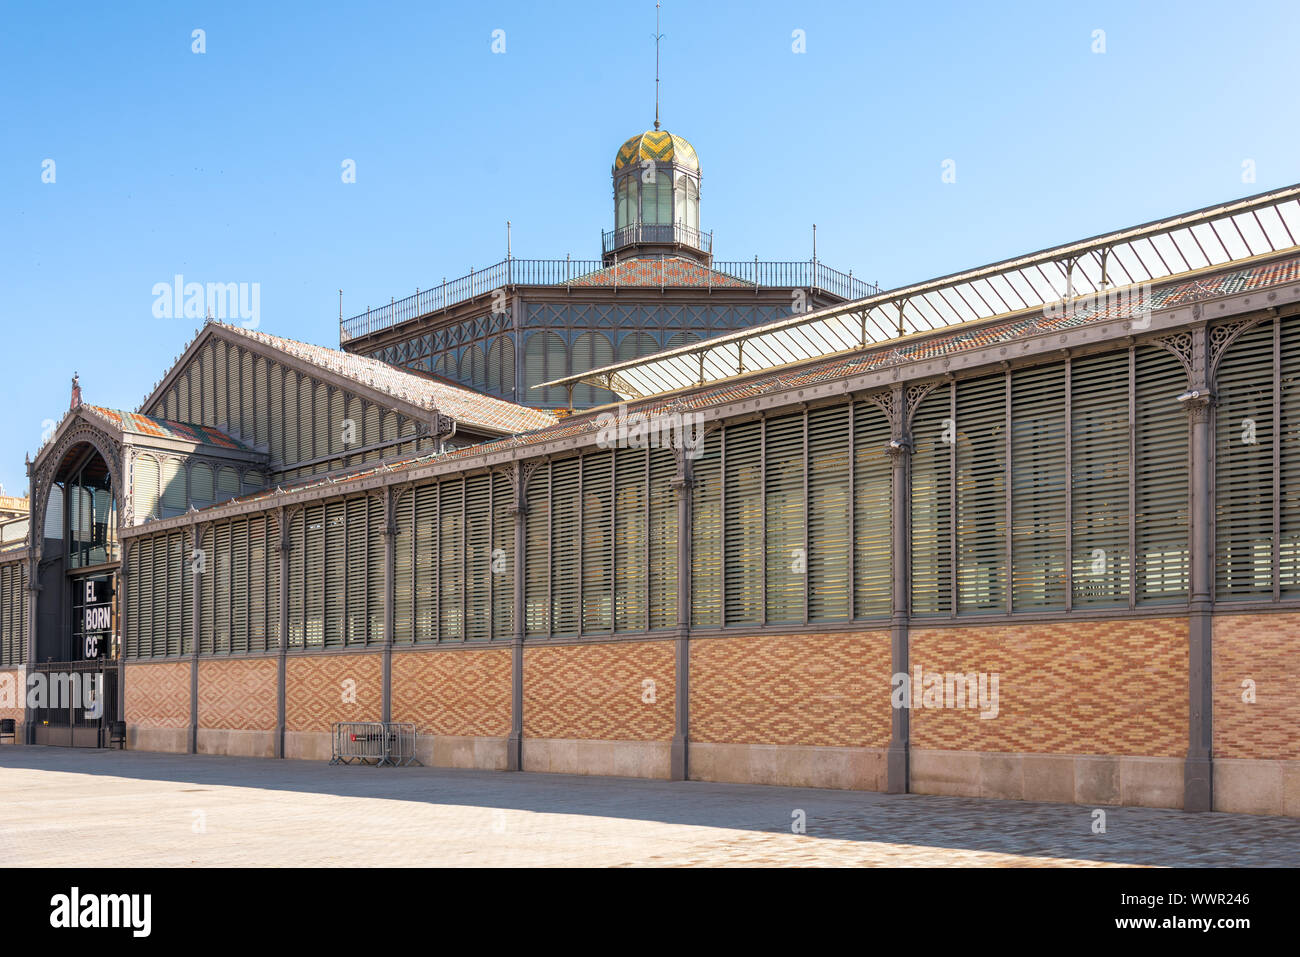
{"x": 670, "y": 271}
{"x": 842, "y": 366}
{"x": 166, "y": 429}
{"x": 471, "y": 409}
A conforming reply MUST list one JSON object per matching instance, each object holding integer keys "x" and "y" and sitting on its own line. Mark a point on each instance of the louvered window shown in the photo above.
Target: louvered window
{"x": 830, "y": 518}
{"x": 981, "y": 495}
{"x": 872, "y": 527}
{"x": 706, "y": 535}
{"x": 742, "y": 500}
{"x": 478, "y": 558}
{"x": 630, "y": 539}
{"x": 934, "y": 436}
{"x": 145, "y": 492}
{"x": 1039, "y": 488}
{"x": 425, "y": 561}
{"x": 1246, "y": 446}
{"x": 662, "y": 544}
{"x": 451, "y": 574}
{"x": 537, "y": 548}
{"x": 597, "y": 541}
{"x": 1100, "y": 390}
{"x": 786, "y": 554}
{"x": 13, "y": 614}
{"x": 315, "y": 571}
{"x": 335, "y": 592}
{"x": 1160, "y": 486}
{"x": 404, "y": 509}
{"x": 305, "y": 420}
{"x": 503, "y": 556}
{"x": 566, "y": 541}
{"x": 294, "y": 586}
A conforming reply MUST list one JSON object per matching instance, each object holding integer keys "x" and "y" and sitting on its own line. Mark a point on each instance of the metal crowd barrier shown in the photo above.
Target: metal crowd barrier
{"x": 374, "y": 742}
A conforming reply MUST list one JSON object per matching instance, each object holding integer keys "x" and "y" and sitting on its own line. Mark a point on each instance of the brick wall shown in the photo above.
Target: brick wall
{"x": 456, "y": 692}
{"x": 811, "y": 690}
{"x": 322, "y": 689}
{"x": 599, "y": 691}
{"x": 1266, "y": 650}
{"x": 158, "y": 695}
{"x": 238, "y": 695}
{"x": 1084, "y": 687}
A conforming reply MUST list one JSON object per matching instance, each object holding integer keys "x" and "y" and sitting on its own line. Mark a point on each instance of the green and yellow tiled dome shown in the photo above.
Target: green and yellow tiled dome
{"x": 660, "y": 146}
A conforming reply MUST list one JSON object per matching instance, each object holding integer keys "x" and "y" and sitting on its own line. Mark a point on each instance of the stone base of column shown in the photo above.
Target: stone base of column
{"x": 193, "y": 740}
{"x": 896, "y": 758}
{"x": 677, "y": 767}
{"x": 1198, "y": 784}
{"x": 514, "y": 752}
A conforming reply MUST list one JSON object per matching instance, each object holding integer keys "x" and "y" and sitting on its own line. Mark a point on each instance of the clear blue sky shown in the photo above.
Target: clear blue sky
{"x": 225, "y": 166}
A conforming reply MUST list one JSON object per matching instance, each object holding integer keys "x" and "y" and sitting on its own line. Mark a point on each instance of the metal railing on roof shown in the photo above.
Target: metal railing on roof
{"x": 665, "y": 234}
{"x": 559, "y": 272}
{"x": 1215, "y": 236}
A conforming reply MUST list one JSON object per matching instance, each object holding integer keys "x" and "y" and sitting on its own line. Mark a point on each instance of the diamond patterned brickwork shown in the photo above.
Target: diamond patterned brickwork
{"x": 322, "y": 689}
{"x": 1265, "y": 649}
{"x": 597, "y": 692}
{"x": 1084, "y": 687}
{"x": 158, "y": 695}
{"x": 457, "y": 693}
{"x": 238, "y": 695}
{"x": 812, "y": 690}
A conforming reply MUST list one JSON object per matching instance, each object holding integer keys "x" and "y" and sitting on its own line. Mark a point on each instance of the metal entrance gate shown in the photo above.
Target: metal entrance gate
{"x": 76, "y": 702}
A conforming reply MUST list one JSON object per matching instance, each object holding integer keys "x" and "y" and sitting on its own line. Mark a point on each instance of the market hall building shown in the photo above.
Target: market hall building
{"x": 1059, "y": 494}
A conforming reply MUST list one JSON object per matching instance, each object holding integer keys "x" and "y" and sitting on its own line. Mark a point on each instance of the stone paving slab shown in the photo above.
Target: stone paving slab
{"x": 85, "y": 808}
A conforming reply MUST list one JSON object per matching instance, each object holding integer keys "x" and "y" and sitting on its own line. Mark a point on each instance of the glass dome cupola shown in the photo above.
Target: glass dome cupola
{"x": 656, "y": 199}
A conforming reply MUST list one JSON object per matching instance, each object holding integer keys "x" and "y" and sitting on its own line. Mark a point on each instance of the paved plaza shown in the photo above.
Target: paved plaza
{"x": 112, "y": 808}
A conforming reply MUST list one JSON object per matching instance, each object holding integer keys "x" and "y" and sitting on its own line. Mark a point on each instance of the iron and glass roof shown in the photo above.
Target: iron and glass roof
{"x": 1085, "y": 274}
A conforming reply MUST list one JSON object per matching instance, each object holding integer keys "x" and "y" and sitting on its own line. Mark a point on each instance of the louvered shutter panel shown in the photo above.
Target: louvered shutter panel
{"x": 451, "y": 566}
{"x": 170, "y": 408}
{"x": 373, "y": 434}
{"x": 597, "y": 541}
{"x": 1289, "y": 461}
{"x": 377, "y": 563}
{"x": 290, "y": 418}
{"x": 315, "y": 571}
{"x": 334, "y": 557}
{"x": 220, "y": 368}
{"x": 158, "y": 642}
{"x": 1099, "y": 436}
{"x": 241, "y": 585}
{"x": 187, "y": 585}
{"x": 324, "y": 427}
{"x": 1244, "y": 450}
{"x": 830, "y": 522}
{"x": 202, "y": 487}
{"x": 247, "y": 398}
{"x": 503, "y": 556}
{"x": 706, "y": 534}
{"x": 982, "y": 496}
{"x": 275, "y": 413}
{"x": 357, "y": 421}
{"x": 142, "y": 581}
{"x": 662, "y": 532}
{"x": 1161, "y": 487}
{"x": 630, "y": 564}
{"x": 932, "y": 512}
{"x": 227, "y": 484}
{"x": 743, "y": 528}
{"x": 258, "y": 601}
{"x": 224, "y": 598}
{"x": 306, "y": 450}
{"x": 786, "y": 559}
{"x": 537, "y": 547}
{"x": 1038, "y": 488}
{"x": 872, "y": 510}
{"x": 297, "y": 583}
{"x": 131, "y": 639}
{"x": 176, "y": 609}
{"x": 565, "y": 545}
{"x": 207, "y": 369}
{"x": 146, "y": 489}
{"x": 174, "y": 494}
{"x": 478, "y": 558}
{"x": 404, "y": 558}
{"x": 426, "y": 561}
{"x": 261, "y": 413}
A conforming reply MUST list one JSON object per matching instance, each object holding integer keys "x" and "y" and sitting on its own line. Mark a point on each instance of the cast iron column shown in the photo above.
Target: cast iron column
{"x": 515, "y": 741}
{"x": 282, "y": 656}
{"x": 679, "y": 755}
{"x": 900, "y": 449}
{"x": 1198, "y": 403}
{"x": 198, "y": 563}
{"x": 390, "y": 574}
